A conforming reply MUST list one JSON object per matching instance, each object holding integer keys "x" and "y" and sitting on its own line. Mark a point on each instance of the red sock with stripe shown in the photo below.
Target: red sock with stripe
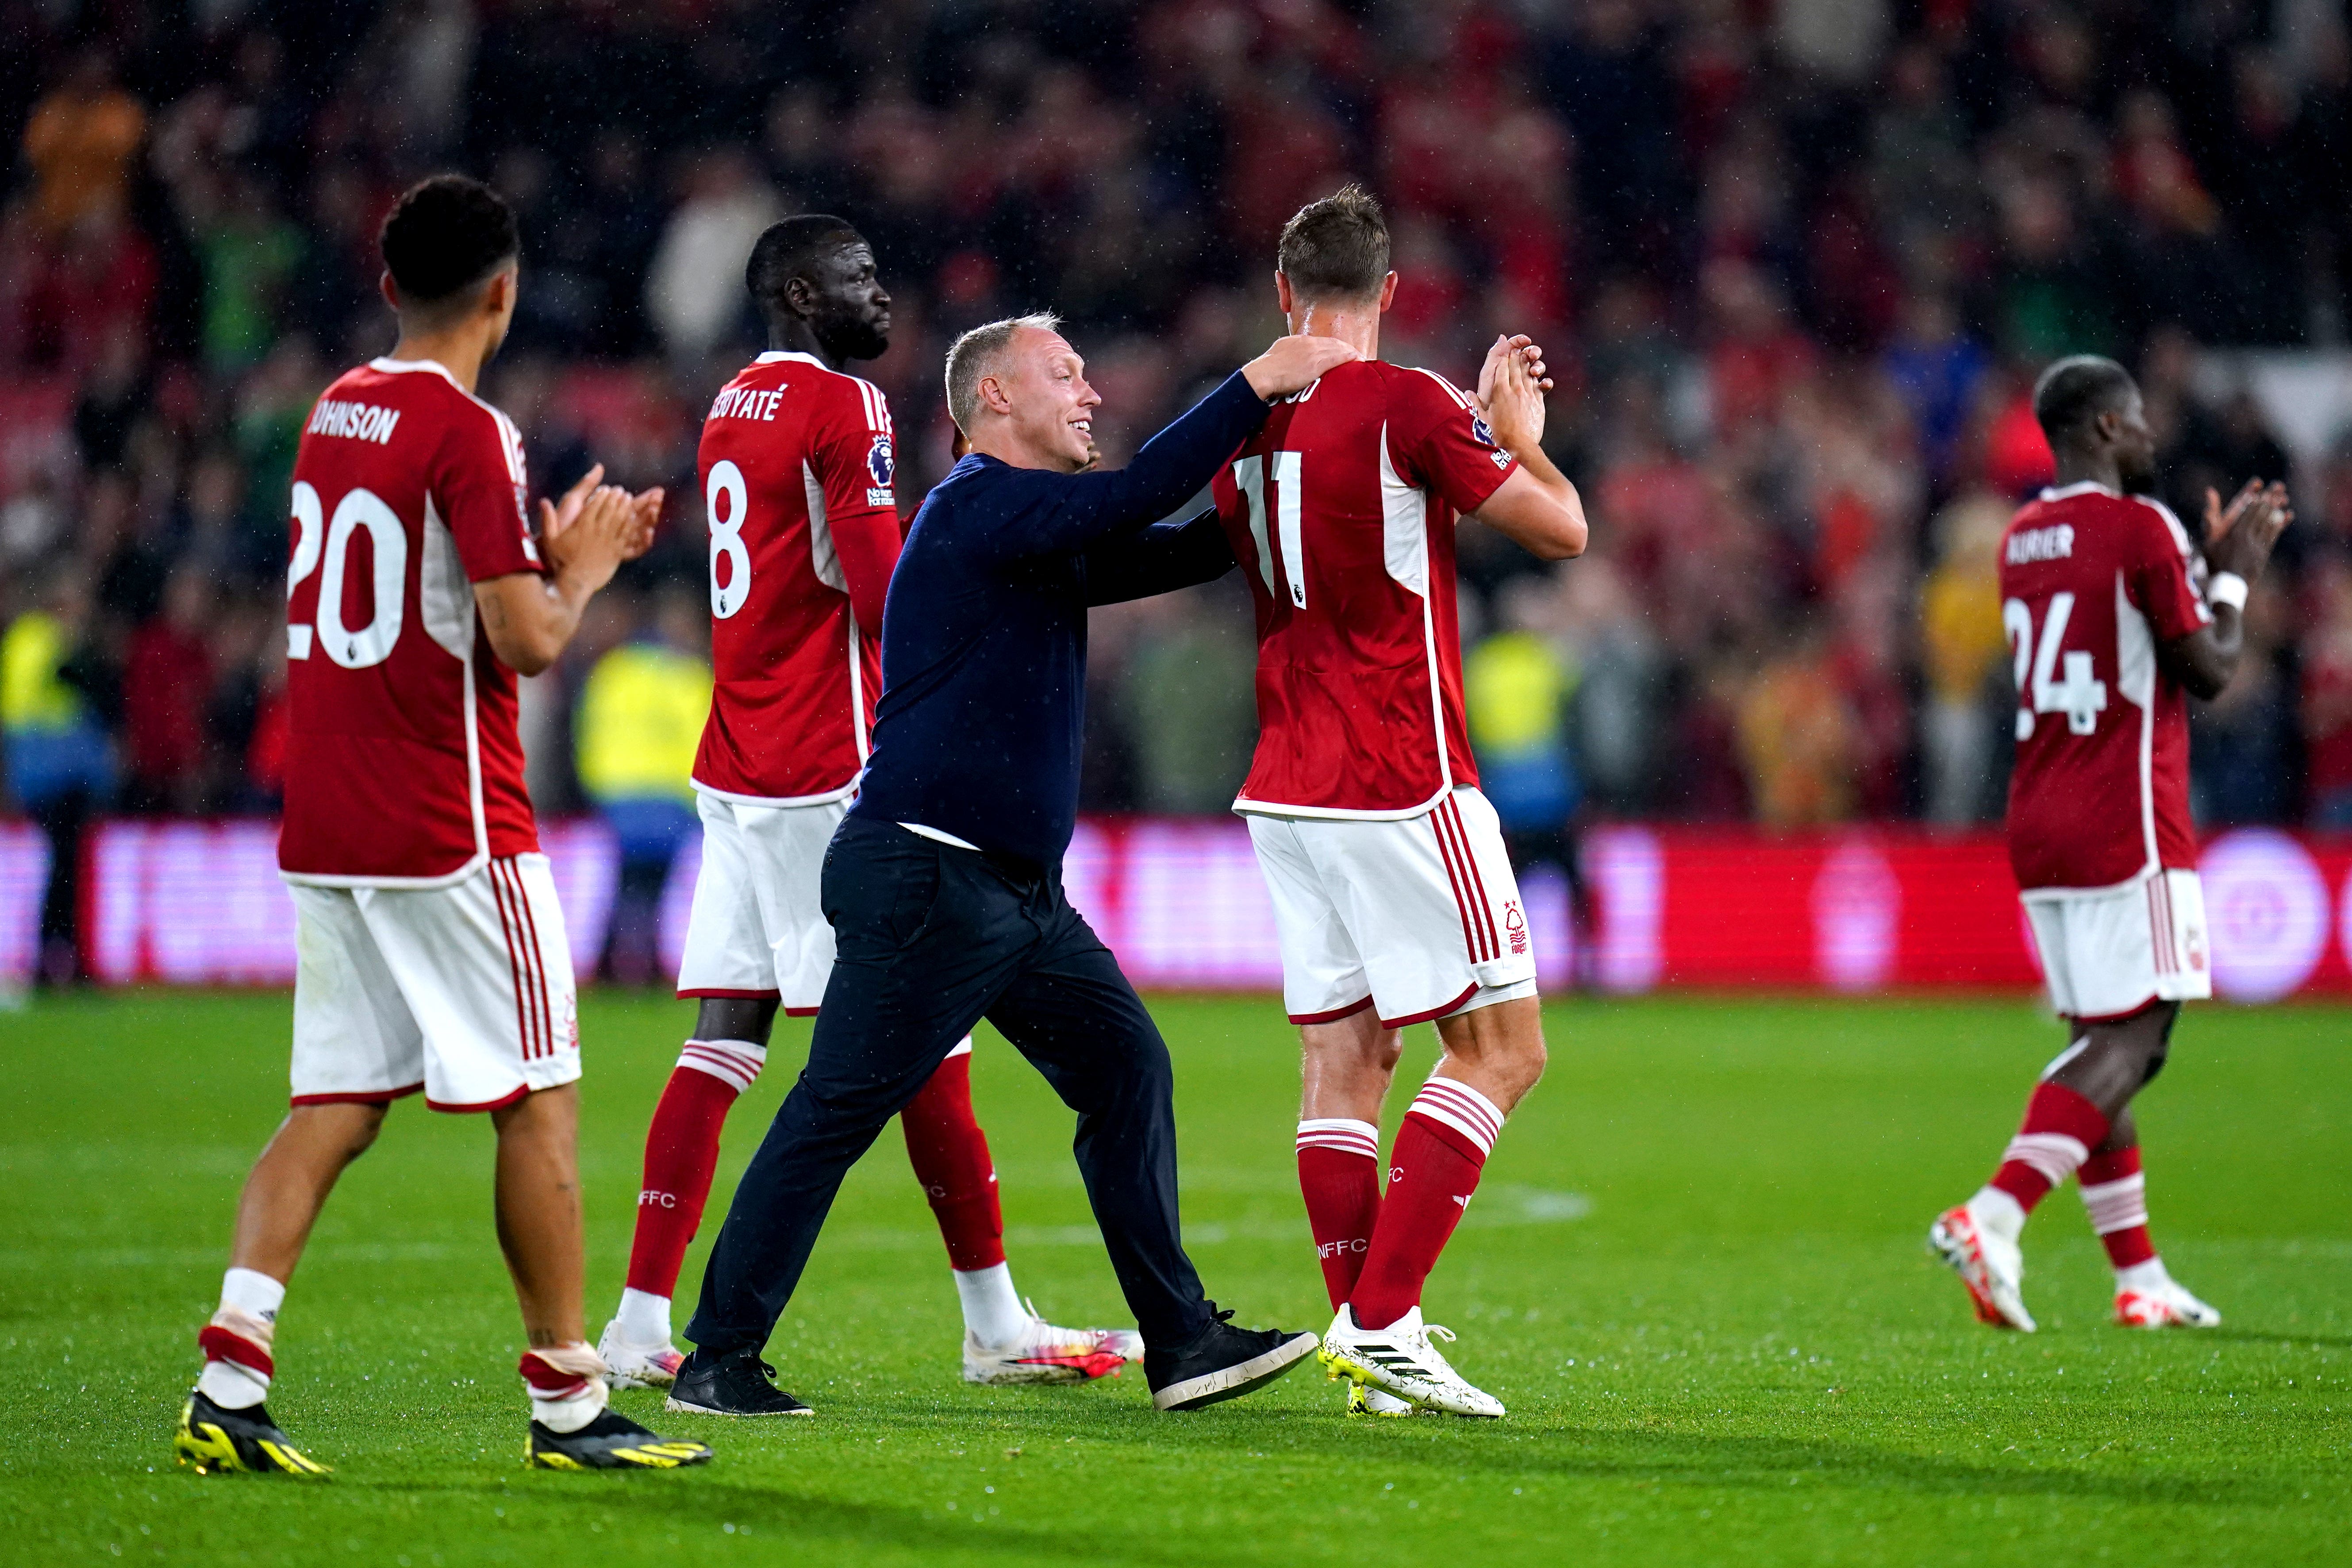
{"x": 1339, "y": 1177}
{"x": 2061, "y": 1128}
{"x": 949, "y": 1154}
{"x": 681, "y": 1154}
{"x": 2115, "y": 1193}
{"x": 1432, "y": 1170}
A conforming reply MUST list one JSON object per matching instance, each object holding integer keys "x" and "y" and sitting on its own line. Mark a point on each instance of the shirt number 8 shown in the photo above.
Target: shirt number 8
{"x": 730, "y": 589}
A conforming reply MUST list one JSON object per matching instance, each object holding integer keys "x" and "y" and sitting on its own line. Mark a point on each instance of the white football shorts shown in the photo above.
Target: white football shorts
{"x": 463, "y": 992}
{"x": 757, "y": 928}
{"x": 1419, "y": 918}
{"x": 2107, "y": 954}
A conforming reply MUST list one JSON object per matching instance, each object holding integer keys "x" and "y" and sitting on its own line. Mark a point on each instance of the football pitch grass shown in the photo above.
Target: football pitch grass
{"x": 1695, "y": 1274}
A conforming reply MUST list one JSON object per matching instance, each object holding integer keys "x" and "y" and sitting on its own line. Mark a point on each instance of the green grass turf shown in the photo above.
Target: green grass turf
{"x": 1739, "y": 1354}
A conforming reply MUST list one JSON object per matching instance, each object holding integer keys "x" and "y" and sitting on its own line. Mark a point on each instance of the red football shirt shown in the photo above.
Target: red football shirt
{"x": 791, "y": 452}
{"x": 1341, "y": 512}
{"x": 2091, "y": 582}
{"x": 404, "y": 767}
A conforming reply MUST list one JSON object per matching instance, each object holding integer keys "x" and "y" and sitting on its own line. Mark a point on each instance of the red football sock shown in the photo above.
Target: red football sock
{"x": 2061, "y": 1130}
{"x": 949, "y": 1154}
{"x": 681, "y": 1153}
{"x": 1433, "y": 1170}
{"x": 1340, "y": 1176}
{"x": 2116, "y": 1194}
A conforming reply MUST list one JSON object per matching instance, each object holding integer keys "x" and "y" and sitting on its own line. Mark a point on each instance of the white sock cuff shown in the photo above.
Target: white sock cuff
{"x": 2119, "y": 1205}
{"x": 732, "y": 1062}
{"x": 644, "y": 1317}
{"x": 1343, "y": 1134}
{"x": 250, "y": 1291}
{"x": 2055, "y": 1155}
{"x": 566, "y": 1384}
{"x": 573, "y": 1412}
{"x": 1997, "y": 1211}
{"x": 1462, "y": 1108}
{"x": 231, "y": 1386}
{"x": 994, "y": 1312}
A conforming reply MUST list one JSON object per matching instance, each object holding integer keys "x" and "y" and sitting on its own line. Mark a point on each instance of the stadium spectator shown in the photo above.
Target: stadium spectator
{"x": 1516, "y": 687}
{"x": 1964, "y": 650}
{"x": 1797, "y": 738}
{"x": 167, "y": 690}
{"x": 61, "y": 765}
{"x": 2326, "y": 713}
{"x": 1189, "y": 702}
{"x": 79, "y": 143}
{"x": 639, "y": 719}
{"x": 691, "y": 291}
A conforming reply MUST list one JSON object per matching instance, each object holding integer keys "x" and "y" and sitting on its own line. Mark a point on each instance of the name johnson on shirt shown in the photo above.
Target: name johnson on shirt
{"x": 359, "y": 421}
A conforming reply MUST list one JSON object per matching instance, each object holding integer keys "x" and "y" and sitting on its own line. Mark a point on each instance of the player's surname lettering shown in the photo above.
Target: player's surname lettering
{"x": 2028, "y": 545}
{"x": 359, "y": 421}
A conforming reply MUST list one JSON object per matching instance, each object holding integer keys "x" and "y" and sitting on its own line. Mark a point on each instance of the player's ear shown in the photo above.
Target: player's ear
{"x": 1388, "y": 291}
{"x": 1282, "y": 294}
{"x": 390, "y": 290}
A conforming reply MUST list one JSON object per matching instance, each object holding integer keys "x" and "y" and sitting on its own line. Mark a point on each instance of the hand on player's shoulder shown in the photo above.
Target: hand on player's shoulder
{"x": 1295, "y": 363}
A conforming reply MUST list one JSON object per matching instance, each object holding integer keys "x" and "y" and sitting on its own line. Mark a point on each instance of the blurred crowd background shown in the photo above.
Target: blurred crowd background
{"x": 1796, "y": 265}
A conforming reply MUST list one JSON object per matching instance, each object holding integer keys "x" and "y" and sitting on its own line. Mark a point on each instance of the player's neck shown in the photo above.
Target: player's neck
{"x": 1358, "y": 326}
{"x": 794, "y": 336}
{"x": 2081, "y": 467}
{"x": 460, "y": 351}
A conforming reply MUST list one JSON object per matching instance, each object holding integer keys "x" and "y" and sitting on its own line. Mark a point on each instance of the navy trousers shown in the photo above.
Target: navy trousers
{"x": 930, "y": 939}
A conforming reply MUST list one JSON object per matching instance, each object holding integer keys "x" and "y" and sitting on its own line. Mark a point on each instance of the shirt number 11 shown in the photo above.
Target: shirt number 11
{"x": 1249, "y": 474}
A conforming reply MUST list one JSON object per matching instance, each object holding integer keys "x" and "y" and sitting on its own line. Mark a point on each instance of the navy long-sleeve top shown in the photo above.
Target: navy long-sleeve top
{"x": 984, "y": 633}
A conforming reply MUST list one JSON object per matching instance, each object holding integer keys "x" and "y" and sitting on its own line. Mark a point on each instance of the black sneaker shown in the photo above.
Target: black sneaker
{"x": 610, "y": 1442}
{"x": 735, "y": 1383}
{"x": 1222, "y": 1362}
{"x": 212, "y": 1439}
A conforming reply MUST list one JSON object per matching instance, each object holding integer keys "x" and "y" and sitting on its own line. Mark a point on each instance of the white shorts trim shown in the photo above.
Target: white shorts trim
{"x": 2108, "y": 954}
{"x": 463, "y": 992}
{"x": 756, "y": 929}
{"x": 1419, "y": 919}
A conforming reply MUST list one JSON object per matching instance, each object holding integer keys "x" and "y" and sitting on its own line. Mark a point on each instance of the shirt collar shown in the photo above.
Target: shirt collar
{"x": 402, "y": 366}
{"x": 2082, "y": 488}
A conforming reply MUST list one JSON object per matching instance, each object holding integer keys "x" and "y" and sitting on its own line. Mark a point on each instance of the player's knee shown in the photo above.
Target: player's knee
{"x": 349, "y": 1130}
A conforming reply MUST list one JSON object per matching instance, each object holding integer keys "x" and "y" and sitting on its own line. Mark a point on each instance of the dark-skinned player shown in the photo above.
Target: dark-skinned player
{"x": 2115, "y": 620}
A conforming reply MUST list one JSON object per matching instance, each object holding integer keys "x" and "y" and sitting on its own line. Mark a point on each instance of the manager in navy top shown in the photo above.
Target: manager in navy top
{"x": 943, "y": 884}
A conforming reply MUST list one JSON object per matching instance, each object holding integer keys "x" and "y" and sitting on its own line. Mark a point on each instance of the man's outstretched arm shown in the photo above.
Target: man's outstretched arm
{"x": 1077, "y": 510}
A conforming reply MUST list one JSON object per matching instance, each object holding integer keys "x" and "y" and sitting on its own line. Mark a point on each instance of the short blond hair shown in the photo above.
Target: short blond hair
{"x": 978, "y": 353}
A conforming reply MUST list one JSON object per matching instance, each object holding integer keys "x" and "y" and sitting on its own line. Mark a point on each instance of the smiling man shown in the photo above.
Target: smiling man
{"x": 797, "y": 463}
{"x": 944, "y": 883}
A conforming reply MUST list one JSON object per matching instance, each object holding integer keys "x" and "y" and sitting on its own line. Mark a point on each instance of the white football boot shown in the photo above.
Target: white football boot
{"x": 2163, "y": 1305}
{"x": 1990, "y": 1264}
{"x": 1399, "y": 1359}
{"x": 1363, "y": 1400}
{"x": 638, "y": 1366}
{"x": 1045, "y": 1353}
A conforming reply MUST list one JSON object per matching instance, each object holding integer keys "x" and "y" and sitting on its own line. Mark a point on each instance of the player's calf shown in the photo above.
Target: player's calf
{"x": 681, "y": 1154}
